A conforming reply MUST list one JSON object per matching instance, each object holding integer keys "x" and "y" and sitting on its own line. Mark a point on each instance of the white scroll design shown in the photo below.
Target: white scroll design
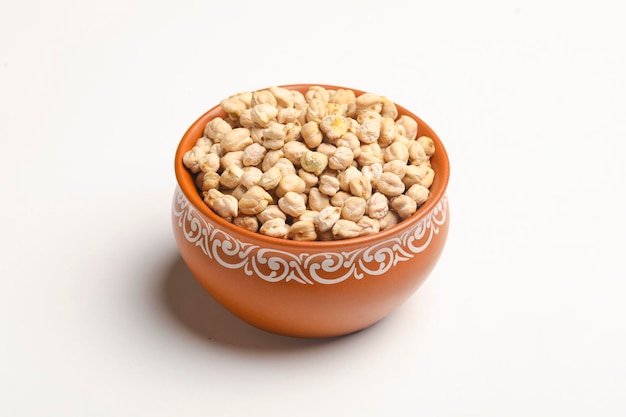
{"x": 306, "y": 268}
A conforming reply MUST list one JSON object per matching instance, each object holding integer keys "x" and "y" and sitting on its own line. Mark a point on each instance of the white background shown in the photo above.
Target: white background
{"x": 523, "y": 316}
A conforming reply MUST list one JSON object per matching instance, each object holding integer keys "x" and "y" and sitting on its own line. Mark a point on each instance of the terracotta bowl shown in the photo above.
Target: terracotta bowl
{"x": 308, "y": 289}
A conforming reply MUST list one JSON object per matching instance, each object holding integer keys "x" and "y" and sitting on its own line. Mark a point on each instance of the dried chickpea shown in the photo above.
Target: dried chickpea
{"x": 237, "y": 192}
{"x": 373, "y": 172}
{"x": 377, "y": 206}
{"x": 370, "y": 154}
{"x": 345, "y": 229}
{"x": 341, "y": 159}
{"x": 294, "y": 151}
{"x": 231, "y": 158}
{"x": 339, "y": 199}
{"x": 245, "y": 119}
{"x": 368, "y": 226}
{"x": 317, "y": 200}
{"x": 390, "y": 219}
{"x": 311, "y": 134}
{"x": 303, "y": 230}
{"x": 191, "y": 159}
{"x": 418, "y": 193}
{"x": 317, "y": 92}
{"x": 270, "y": 159}
{"x": 369, "y": 102}
{"x": 308, "y": 215}
{"x": 210, "y": 180}
{"x": 353, "y": 208}
{"x": 262, "y": 114}
{"x": 209, "y": 162}
{"x": 236, "y": 140}
{"x": 224, "y": 205}
{"x": 328, "y": 185}
{"x": 250, "y": 223}
{"x": 275, "y": 227}
{"x": 397, "y": 167}
{"x": 404, "y": 205}
{"x": 417, "y": 153}
{"x": 361, "y": 186}
{"x": 272, "y": 211}
{"x": 285, "y": 166}
{"x": 427, "y": 181}
{"x": 309, "y": 178}
{"x": 287, "y": 115}
{"x": 274, "y": 136}
{"x": 314, "y": 162}
{"x": 254, "y": 201}
{"x": 346, "y": 176}
{"x": 270, "y": 178}
{"x": 253, "y": 155}
{"x": 396, "y": 151}
{"x": 327, "y": 149}
{"x": 290, "y": 182}
{"x": 263, "y": 97}
{"x": 251, "y": 177}
{"x": 327, "y": 218}
{"x": 292, "y": 132}
{"x": 407, "y": 127}
{"x": 427, "y": 144}
{"x": 292, "y": 204}
{"x": 334, "y": 126}
{"x": 389, "y": 109}
{"x": 343, "y": 96}
{"x": 233, "y": 106}
{"x": 390, "y": 184}
{"x": 216, "y": 129}
{"x": 204, "y": 144}
{"x": 351, "y": 141}
{"x": 231, "y": 177}
{"x": 369, "y": 130}
{"x": 316, "y": 110}
{"x": 283, "y": 96}
{"x": 414, "y": 175}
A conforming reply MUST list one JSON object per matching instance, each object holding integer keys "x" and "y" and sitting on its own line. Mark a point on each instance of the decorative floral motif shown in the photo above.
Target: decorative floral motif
{"x": 307, "y": 268}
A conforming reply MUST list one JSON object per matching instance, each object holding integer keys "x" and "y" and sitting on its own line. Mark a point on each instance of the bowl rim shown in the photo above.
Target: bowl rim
{"x": 186, "y": 184}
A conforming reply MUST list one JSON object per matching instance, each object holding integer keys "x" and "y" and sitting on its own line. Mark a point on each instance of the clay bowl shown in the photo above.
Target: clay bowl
{"x": 308, "y": 289}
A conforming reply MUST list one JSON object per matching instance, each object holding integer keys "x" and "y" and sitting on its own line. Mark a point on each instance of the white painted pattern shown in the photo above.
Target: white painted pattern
{"x": 307, "y": 268}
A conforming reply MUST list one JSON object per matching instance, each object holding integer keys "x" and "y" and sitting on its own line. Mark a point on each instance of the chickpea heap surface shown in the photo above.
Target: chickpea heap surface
{"x": 323, "y": 165}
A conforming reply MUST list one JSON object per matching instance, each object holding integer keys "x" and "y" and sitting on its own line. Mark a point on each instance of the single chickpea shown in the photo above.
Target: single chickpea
{"x": 262, "y": 114}
{"x": 272, "y": 211}
{"x": 250, "y": 223}
{"x": 311, "y": 134}
{"x": 308, "y": 215}
{"x": 353, "y": 208}
{"x": 361, "y": 187}
{"x": 275, "y": 228}
{"x": 390, "y": 219}
{"x": 369, "y": 102}
{"x": 274, "y": 136}
{"x": 231, "y": 177}
{"x": 292, "y": 132}
{"x": 404, "y": 205}
{"x": 290, "y": 182}
{"x": 285, "y": 166}
{"x": 288, "y": 115}
{"x": 204, "y": 144}
{"x": 341, "y": 158}
{"x": 294, "y": 151}
{"x": 283, "y": 96}
{"x": 417, "y": 153}
{"x": 263, "y": 97}
{"x": 251, "y": 176}
{"x": 326, "y": 218}
{"x": 327, "y": 149}
{"x": 427, "y": 181}
{"x": 414, "y": 175}
{"x": 233, "y": 106}
{"x": 191, "y": 159}
{"x": 427, "y": 144}
{"x": 407, "y": 127}
{"x": 254, "y": 201}
{"x": 351, "y": 141}
{"x": 253, "y": 155}
{"x": 343, "y": 96}
{"x": 377, "y": 206}
{"x": 210, "y": 180}
{"x": 390, "y": 184}
{"x": 309, "y": 178}
{"x": 231, "y": 158}
{"x": 370, "y": 154}
{"x": 224, "y": 205}
{"x": 418, "y": 193}
{"x": 328, "y": 185}
{"x": 317, "y": 200}
{"x": 236, "y": 140}
{"x": 346, "y": 176}
{"x": 245, "y": 118}
{"x": 270, "y": 159}
{"x": 369, "y": 130}
{"x": 317, "y": 92}
{"x": 339, "y": 199}
{"x": 314, "y": 162}
{"x": 345, "y": 229}
{"x": 210, "y": 162}
{"x": 334, "y": 127}
{"x": 389, "y": 109}
{"x": 216, "y": 129}
{"x": 316, "y": 110}
{"x": 368, "y": 226}
{"x": 292, "y": 204}
{"x": 373, "y": 172}
{"x": 397, "y": 167}
{"x": 302, "y": 230}
{"x": 270, "y": 178}
{"x": 396, "y": 151}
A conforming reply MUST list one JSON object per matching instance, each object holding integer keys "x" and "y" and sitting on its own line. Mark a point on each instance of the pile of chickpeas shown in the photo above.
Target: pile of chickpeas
{"x": 323, "y": 165}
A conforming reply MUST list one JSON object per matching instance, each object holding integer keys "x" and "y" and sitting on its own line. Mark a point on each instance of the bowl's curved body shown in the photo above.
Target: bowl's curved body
{"x": 308, "y": 289}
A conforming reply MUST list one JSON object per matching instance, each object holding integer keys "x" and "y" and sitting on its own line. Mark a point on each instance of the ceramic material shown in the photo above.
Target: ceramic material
{"x": 309, "y": 289}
